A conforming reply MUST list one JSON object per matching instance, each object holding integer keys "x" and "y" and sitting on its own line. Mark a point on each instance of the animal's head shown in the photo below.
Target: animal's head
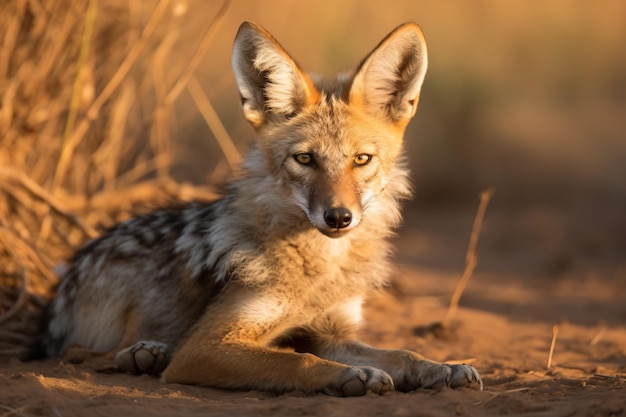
{"x": 334, "y": 146}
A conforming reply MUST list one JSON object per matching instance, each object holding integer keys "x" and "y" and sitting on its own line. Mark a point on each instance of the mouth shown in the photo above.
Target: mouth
{"x": 334, "y": 233}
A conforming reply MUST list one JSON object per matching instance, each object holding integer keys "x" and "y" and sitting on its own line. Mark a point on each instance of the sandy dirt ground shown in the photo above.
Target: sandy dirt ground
{"x": 538, "y": 267}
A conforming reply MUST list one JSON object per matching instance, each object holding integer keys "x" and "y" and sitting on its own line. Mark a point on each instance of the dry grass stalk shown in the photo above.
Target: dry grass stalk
{"x": 13, "y": 411}
{"x": 212, "y": 120}
{"x": 599, "y": 334}
{"x": 93, "y": 112}
{"x": 471, "y": 260}
{"x": 497, "y": 394}
{"x": 76, "y": 93}
{"x": 555, "y": 331}
{"x": 35, "y": 189}
{"x": 81, "y": 67}
{"x": 5, "y": 239}
{"x": 467, "y": 361}
{"x": 166, "y": 97}
{"x": 203, "y": 46}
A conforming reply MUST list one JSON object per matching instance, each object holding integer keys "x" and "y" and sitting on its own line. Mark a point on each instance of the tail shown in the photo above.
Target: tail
{"x": 45, "y": 343}
{"x": 23, "y": 331}
{"x": 48, "y": 342}
{"x": 36, "y": 346}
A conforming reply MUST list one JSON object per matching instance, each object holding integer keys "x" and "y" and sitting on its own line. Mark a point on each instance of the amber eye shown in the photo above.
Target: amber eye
{"x": 362, "y": 159}
{"x": 304, "y": 158}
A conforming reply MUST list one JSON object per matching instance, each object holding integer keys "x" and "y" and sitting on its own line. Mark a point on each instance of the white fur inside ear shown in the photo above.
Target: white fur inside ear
{"x": 383, "y": 73}
{"x": 269, "y": 81}
{"x": 391, "y": 77}
{"x": 245, "y": 83}
{"x": 251, "y": 110}
{"x": 285, "y": 88}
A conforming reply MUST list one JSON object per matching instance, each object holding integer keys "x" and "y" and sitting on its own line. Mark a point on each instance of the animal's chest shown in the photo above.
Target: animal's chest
{"x": 292, "y": 283}
{"x": 314, "y": 292}
{"x": 323, "y": 269}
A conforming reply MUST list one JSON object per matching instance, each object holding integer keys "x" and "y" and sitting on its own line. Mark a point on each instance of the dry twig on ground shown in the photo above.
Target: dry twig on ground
{"x": 471, "y": 259}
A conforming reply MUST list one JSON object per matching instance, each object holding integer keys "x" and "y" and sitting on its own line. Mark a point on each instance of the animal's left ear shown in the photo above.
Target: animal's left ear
{"x": 388, "y": 81}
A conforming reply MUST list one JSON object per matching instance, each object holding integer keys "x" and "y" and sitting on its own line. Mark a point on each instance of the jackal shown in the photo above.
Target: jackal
{"x": 262, "y": 289}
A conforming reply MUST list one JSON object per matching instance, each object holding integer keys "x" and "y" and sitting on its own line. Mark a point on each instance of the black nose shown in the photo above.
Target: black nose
{"x": 338, "y": 217}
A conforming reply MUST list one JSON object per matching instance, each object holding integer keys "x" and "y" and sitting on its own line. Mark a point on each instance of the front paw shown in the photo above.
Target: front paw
{"x": 464, "y": 376}
{"x": 143, "y": 357}
{"x": 356, "y": 381}
{"x": 421, "y": 373}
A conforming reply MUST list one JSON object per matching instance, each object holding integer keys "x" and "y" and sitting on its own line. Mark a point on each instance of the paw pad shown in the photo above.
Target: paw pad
{"x": 143, "y": 357}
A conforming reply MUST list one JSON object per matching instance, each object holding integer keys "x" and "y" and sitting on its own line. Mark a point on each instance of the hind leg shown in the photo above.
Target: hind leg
{"x": 144, "y": 357}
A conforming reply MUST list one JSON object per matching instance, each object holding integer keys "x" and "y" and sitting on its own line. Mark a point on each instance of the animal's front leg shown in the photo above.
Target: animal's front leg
{"x": 229, "y": 349}
{"x": 408, "y": 370}
{"x": 243, "y": 366}
{"x": 332, "y": 337}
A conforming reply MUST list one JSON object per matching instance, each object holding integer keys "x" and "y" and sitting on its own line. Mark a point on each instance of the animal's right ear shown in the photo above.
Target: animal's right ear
{"x": 271, "y": 84}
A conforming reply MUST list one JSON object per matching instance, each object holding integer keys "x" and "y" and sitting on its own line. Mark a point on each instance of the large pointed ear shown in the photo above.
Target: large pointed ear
{"x": 271, "y": 84}
{"x": 388, "y": 81}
